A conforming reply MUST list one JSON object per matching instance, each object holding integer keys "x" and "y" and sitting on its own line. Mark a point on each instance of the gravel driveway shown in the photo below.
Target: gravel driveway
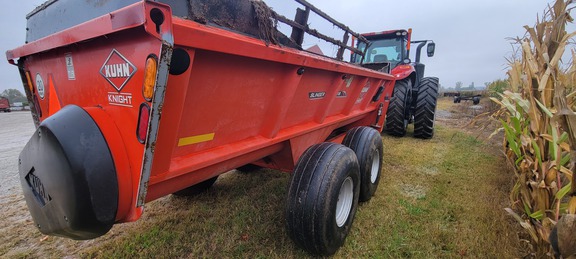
{"x": 15, "y": 130}
{"x": 15, "y": 224}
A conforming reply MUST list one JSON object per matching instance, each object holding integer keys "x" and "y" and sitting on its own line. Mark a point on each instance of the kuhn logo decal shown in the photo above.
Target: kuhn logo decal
{"x": 117, "y": 70}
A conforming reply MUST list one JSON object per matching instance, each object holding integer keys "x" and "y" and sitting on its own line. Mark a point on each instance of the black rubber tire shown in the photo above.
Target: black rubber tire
{"x": 313, "y": 196}
{"x": 248, "y": 168}
{"x": 424, "y": 115}
{"x": 367, "y": 144}
{"x": 197, "y": 188}
{"x": 475, "y": 100}
{"x": 398, "y": 113}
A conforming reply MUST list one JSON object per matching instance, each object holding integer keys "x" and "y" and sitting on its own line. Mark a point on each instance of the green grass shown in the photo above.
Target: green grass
{"x": 442, "y": 198}
{"x": 437, "y": 198}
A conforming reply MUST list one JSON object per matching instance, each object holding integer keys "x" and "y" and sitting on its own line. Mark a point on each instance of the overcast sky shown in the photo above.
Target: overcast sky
{"x": 470, "y": 36}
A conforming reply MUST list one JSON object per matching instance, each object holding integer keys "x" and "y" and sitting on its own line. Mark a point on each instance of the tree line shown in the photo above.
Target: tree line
{"x": 14, "y": 95}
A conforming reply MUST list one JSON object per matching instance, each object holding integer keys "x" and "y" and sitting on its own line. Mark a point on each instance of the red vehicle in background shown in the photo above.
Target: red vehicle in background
{"x": 414, "y": 97}
{"x": 4, "y": 104}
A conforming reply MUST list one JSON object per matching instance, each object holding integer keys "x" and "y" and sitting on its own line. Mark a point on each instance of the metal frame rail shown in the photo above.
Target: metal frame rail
{"x": 300, "y": 26}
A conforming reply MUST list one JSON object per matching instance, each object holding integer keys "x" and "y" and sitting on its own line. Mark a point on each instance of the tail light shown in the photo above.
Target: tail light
{"x": 29, "y": 81}
{"x": 143, "y": 119}
{"x": 149, "y": 78}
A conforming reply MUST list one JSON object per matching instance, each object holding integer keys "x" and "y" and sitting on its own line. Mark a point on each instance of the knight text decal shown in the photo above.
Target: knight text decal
{"x": 120, "y": 99}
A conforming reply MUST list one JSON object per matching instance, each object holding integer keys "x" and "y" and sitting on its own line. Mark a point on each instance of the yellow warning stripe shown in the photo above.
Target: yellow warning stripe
{"x": 195, "y": 139}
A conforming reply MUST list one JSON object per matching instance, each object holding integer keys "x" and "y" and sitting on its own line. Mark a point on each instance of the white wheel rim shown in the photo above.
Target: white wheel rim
{"x": 344, "y": 201}
{"x": 375, "y": 166}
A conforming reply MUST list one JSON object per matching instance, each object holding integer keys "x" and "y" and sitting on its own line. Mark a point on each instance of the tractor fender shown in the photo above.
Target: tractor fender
{"x": 402, "y": 72}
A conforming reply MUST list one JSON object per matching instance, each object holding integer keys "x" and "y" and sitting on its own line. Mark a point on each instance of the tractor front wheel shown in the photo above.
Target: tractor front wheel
{"x": 424, "y": 115}
{"x": 398, "y": 114}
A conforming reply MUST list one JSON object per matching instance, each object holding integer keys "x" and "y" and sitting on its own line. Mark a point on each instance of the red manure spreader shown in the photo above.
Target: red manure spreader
{"x": 134, "y": 100}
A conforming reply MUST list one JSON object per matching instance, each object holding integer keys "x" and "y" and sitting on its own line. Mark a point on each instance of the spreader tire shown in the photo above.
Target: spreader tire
{"x": 367, "y": 144}
{"x": 398, "y": 113}
{"x": 424, "y": 114}
{"x": 197, "y": 188}
{"x": 323, "y": 198}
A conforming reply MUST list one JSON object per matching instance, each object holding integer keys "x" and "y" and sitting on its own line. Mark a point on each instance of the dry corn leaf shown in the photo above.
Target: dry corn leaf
{"x": 523, "y": 223}
{"x": 566, "y": 172}
{"x": 551, "y": 176}
{"x": 541, "y": 124}
{"x": 572, "y": 205}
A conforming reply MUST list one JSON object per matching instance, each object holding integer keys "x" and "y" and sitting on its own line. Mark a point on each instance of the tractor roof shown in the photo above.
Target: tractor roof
{"x": 390, "y": 32}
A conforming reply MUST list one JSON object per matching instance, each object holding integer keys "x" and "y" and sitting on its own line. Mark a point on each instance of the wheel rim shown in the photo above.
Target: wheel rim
{"x": 375, "y": 166}
{"x": 344, "y": 201}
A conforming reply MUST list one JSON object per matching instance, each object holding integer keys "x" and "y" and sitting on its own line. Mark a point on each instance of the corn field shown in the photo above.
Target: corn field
{"x": 539, "y": 126}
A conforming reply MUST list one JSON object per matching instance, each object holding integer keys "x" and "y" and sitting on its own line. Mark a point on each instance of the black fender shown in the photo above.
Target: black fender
{"x": 68, "y": 176}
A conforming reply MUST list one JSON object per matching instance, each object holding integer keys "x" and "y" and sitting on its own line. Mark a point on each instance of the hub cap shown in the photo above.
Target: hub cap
{"x": 344, "y": 201}
{"x": 375, "y": 166}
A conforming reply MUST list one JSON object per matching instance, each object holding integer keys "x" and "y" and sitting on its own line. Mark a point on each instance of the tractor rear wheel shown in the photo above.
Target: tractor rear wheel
{"x": 323, "y": 198}
{"x": 398, "y": 114}
{"x": 424, "y": 115}
{"x": 197, "y": 188}
{"x": 367, "y": 144}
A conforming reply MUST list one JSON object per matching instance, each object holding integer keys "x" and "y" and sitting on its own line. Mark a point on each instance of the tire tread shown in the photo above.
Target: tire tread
{"x": 426, "y": 101}
{"x": 394, "y": 124}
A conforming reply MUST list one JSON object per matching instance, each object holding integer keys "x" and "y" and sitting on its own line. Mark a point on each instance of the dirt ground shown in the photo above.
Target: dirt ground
{"x": 15, "y": 130}
{"x": 21, "y": 239}
{"x": 472, "y": 119}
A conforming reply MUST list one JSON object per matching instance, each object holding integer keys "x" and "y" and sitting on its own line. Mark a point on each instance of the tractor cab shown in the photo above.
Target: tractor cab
{"x": 389, "y": 51}
{"x": 385, "y": 51}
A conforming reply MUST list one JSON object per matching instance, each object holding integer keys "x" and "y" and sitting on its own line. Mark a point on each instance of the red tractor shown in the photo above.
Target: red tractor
{"x": 414, "y": 96}
{"x": 4, "y": 104}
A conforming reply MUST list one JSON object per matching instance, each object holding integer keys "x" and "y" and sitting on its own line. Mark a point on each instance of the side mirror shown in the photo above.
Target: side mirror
{"x": 430, "y": 49}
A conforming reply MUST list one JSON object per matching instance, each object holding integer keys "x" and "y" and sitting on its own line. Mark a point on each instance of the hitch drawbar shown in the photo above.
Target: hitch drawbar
{"x": 68, "y": 176}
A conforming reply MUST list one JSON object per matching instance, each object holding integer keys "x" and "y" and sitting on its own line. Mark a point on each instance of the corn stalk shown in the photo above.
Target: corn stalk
{"x": 540, "y": 127}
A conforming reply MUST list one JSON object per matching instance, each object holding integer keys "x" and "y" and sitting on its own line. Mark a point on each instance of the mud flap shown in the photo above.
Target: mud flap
{"x": 68, "y": 176}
